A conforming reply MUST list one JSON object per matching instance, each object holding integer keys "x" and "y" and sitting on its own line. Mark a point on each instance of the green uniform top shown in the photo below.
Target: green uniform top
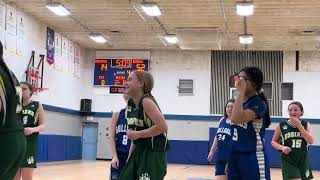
{"x": 138, "y": 120}
{"x": 291, "y": 137}
{"x": 30, "y": 116}
{"x": 296, "y": 164}
{"x": 9, "y": 117}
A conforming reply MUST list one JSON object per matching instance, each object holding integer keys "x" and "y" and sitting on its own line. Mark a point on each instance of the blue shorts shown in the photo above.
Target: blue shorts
{"x": 245, "y": 166}
{"x": 222, "y": 159}
{"x": 115, "y": 173}
{"x": 221, "y": 168}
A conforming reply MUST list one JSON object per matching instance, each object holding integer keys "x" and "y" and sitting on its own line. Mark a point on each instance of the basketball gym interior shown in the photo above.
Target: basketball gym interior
{"x": 80, "y": 56}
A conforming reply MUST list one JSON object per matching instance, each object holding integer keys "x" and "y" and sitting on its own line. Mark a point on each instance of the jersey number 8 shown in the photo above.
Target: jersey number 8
{"x": 125, "y": 140}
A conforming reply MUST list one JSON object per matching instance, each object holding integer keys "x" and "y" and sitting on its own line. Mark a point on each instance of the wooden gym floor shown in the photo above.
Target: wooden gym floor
{"x": 99, "y": 170}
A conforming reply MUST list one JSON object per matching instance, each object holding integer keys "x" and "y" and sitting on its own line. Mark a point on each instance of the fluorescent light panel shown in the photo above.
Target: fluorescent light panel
{"x": 246, "y": 39}
{"x": 98, "y": 38}
{"x": 151, "y": 9}
{"x": 245, "y": 8}
{"x": 172, "y": 39}
{"x": 58, "y": 9}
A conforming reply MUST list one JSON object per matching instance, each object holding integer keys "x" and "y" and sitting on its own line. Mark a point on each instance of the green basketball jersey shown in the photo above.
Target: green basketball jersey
{"x": 291, "y": 137}
{"x": 30, "y": 116}
{"x": 9, "y": 119}
{"x": 138, "y": 120}
{"x": 296, "y": 164}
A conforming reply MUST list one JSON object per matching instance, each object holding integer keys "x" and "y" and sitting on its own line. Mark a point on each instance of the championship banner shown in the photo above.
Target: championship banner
{"x": 50, "y": 46}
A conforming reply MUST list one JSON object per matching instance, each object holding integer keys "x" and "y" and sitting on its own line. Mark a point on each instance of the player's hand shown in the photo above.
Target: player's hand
{"x": 115, "y": 162}
{"x": 210, "y": 156}
{"x": 295, "y": 122}
{"x": 28, "y": 131}
{"x": 133, "y": 135}
{"x": 240, "y": 84}
{"x": 286, "y": 150}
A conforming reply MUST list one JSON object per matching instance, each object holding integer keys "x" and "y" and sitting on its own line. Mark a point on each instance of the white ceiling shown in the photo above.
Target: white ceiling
{"x": 275, "y": 25}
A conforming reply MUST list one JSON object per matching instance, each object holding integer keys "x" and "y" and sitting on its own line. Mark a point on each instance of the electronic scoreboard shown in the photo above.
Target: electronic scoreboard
{"x": 114, "y": 72}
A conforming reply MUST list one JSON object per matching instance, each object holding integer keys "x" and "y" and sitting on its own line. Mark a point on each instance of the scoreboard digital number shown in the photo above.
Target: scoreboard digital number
{"x": 114, "y": 72}
{"x": 117, "y": 89}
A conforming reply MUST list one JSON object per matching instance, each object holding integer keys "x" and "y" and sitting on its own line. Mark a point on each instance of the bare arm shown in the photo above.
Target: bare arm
{"x": 276, "y": 139}
{"x": 160, "y": 125}
{"x": 215, "y": 140}
{"x": 112, "y": 133}
{"x": 214, "y": 145}
{"x": 238, "y": 114}
{"x": 41, "y": 125}
{"x": 307, "y": 133}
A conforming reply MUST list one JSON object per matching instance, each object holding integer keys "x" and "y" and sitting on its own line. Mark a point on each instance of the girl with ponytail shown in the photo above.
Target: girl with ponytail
{"x": 250, "y": 117}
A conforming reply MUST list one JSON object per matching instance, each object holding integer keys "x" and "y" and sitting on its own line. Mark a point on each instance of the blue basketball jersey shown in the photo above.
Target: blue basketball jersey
{"x": 249, "y": 137}
{"x": 122, "y": 141}
{"x": 224, "y": 137}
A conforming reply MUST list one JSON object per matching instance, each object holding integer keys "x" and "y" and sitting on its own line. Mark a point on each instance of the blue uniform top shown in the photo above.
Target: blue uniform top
{"x": 122, "y": 141}
{"x": 224, "y": 137}
{"x": 249, "y": 137}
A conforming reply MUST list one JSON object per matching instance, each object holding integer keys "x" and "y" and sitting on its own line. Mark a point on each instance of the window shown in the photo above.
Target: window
{"x": 185, "y": 86}
{"x": 286, "y": 91}
{"x": 267, "y": 90}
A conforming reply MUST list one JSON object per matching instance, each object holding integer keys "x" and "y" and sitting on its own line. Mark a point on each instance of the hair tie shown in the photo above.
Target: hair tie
{"x": 261, "y": 91}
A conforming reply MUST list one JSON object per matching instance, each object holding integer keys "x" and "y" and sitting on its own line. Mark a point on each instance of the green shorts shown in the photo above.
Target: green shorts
{"x": 11, "y": 153}
{"x": 30, "y": 158}
{"x": 293, "y": 169}
{"x": 145, "y": 163}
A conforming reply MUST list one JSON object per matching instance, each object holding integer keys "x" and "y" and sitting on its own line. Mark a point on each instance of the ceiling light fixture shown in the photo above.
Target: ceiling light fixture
{"x": 97, "y": 37}
{"x": 58, "y": 9}
{"x": 151, "y": 9}
{"x": 245, "y": 8}
{"x": 171, "y": 38}
{"x": 246, "y": 38}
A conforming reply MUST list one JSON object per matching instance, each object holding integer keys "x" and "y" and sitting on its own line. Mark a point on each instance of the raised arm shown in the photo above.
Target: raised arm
{"x": 307, "y": 133}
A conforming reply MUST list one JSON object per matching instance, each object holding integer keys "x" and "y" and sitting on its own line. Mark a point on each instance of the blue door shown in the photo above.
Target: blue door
{"x": 89, "y": 141}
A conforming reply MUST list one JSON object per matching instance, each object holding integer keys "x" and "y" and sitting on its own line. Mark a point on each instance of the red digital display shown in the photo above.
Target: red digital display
{"x": 121, "y": 63}
{"x": 116, "y": 90}
{"x": 101, "y": 61}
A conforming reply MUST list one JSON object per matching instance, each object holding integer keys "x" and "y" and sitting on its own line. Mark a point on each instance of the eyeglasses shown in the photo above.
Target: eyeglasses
{"x": 245, "y": 78}
{"x": 238, "y": 75}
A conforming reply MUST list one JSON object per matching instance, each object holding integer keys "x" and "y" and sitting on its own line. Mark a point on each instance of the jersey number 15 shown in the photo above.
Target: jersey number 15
{"x": 296, "y": 143}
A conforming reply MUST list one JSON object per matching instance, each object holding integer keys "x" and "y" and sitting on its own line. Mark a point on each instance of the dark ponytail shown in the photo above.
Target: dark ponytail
{"x": 267, "y": 118}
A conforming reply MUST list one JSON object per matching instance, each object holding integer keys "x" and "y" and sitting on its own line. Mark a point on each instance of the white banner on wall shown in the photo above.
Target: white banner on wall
{"x": 2, "y": 23}
{"x": 11, "y": 20}
{"x": 65, "y": 54}
{"x": 21, "y": 35}
{"x": 11, "y": 30}
{"x": 77, "y": 61}
{"x": 2, "y": 16}
{"x": 71, "y": 57}
{"x": 11, "y": 42}
{"x": 57, "y": 51}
